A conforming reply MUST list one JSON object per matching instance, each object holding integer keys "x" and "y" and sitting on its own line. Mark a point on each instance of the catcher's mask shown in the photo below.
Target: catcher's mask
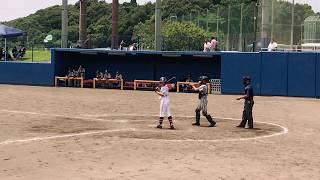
{"x": 203, "y": 79}
{"x": 246, "y": 80}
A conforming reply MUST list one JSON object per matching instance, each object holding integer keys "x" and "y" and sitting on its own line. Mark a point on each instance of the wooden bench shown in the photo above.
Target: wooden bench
{"x": 144, "y": 82}
{"x": 192, "y": 83}
{"x": 128, "y": 85}
{"x": 65, "y": 78}
{"x": 95, "y": 80}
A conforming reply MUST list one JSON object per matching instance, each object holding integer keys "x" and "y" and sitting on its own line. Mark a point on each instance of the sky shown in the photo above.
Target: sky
{"x": 12, "y": 9}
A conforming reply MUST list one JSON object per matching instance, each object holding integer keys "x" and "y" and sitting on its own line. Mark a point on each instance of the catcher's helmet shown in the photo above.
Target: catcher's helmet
{"x": 163, "y": 79}
{"x": 203, "y": 78}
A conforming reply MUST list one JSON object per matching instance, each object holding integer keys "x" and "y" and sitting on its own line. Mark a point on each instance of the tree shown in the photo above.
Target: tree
{"x": 177, "y": 36}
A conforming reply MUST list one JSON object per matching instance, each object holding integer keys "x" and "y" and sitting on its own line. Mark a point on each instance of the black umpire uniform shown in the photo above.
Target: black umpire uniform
{"x": 248, "y": 103}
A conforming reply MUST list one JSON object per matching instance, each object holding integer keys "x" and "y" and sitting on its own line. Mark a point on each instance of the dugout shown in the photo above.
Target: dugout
{"x": 146, "y": 65}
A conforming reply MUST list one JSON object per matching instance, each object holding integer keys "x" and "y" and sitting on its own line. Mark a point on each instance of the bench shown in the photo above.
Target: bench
{"x": 98, "y": 80}
{"x": 65, "y": 78}
{"x": 146, "y": 83}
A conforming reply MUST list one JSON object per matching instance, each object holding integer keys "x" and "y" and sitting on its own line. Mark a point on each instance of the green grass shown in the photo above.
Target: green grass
{"x": 39, "y": 55}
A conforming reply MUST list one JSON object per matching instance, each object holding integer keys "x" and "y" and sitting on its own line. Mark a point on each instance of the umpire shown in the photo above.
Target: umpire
{"x": 248, "y": 103}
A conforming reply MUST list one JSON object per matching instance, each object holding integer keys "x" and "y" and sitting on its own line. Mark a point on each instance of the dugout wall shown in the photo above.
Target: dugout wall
{"x": 147, "y": 65}
{"x": 318, "y": 75}
{"x": 26, "y": 73}
{"x": 236, "y": 65}
{"x": 273, "y": 73}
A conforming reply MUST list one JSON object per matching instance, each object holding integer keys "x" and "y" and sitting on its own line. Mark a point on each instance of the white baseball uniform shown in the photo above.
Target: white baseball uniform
{"x": 165, "y": 102}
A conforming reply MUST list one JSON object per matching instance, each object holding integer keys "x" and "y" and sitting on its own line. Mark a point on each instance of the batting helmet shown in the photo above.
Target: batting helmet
{"x": 163, "y": 79}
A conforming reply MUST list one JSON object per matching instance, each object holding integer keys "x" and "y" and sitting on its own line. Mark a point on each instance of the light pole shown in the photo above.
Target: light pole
{"x": 158, "y": 26}
{"x": 115, "y": 18}
{"x": 83, "y": 24}
{"x": 64, "y": 25}
{"x": 292, "y": 25}
{"x": 255, "y": 24}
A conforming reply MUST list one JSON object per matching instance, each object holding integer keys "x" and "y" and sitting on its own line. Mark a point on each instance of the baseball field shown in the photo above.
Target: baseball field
{"x": 72, "y": 133}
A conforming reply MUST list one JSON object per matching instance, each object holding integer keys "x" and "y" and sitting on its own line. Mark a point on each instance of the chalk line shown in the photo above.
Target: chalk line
{"x": 91, "y": 118}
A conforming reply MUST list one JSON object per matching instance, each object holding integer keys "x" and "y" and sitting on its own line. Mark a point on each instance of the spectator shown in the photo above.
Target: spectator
{"x": 273, "y": 46}
{"x": 118, "y": 75}
{"x": 69, "y": 73}
{"x": 213, "y": 44}
{"x": 133, "y": 47}
{"x": 22, "y": 51}
{"x": 15, "y": 53}
{"x": 8, "y": 56}
{"x": 206, "y": 46}
{"x": 81, "y": 71}
{"x": 1, "y": 53}
{"x": 107, "y": 75}
{"x": 122, "y": 44}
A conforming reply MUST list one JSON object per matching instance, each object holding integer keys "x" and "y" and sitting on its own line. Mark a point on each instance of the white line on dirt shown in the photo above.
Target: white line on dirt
{"x": 63, "y": 136}
{"x": 90, "y": 117}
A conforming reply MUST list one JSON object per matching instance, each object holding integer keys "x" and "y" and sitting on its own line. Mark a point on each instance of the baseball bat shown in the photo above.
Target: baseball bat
{"x": 171, "y": 79}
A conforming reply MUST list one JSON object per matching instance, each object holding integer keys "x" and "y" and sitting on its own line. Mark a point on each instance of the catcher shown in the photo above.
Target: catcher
{"x": 163, "y": 92}
{"x": 203, "y": 102}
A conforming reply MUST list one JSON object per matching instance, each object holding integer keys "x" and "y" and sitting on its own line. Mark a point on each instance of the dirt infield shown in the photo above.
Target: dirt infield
{"x": 66, "y": 133}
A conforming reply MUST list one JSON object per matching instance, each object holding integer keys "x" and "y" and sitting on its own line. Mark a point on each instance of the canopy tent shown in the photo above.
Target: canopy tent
{"x": 9, "y": 32}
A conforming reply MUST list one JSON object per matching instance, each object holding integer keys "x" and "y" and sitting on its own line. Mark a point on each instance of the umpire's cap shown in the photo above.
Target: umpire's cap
{"x": 163, "y": 79}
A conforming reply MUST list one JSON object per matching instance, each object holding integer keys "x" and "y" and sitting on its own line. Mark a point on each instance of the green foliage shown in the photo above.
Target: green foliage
{"x": 136, "y": 21}
{"x": 177, "y": 36}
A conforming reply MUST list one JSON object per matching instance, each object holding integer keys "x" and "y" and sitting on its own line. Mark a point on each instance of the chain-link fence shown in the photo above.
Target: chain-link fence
{"x": 234, "y": 26}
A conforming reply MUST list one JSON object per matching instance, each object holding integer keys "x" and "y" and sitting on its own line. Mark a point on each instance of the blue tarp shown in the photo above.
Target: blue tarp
{"x": 8, "y": 32}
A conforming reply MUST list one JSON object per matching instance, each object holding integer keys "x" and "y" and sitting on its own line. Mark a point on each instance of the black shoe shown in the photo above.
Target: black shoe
{"x": 172, "y": 126}
{"x": 239, "y": 126}
{"x": 159, "y": 126}
{"x": 212, "y": 124}
{"x": 196, "y": 124}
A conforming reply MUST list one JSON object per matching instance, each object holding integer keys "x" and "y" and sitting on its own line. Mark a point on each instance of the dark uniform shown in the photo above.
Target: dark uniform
{"x": 203, "y": 102}
{"x": 248, "y": 104}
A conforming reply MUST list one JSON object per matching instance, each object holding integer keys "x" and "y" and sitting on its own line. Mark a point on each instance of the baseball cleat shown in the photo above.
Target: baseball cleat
{"x": 172, "y": 127}
{"x": 159, "y": 126}
{"x": 212, "y": 124}
{"x": 196, "y": 124}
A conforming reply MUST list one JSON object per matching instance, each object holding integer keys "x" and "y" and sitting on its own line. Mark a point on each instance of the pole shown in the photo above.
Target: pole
{"x": 64, "y": 25}
{"x": 32, "y": 51}
{"x": 158, "y": 26}
{"x": 301, "y": 34}
{"x": 5, "y": 48}
{"x": 115, "y": 19}
{"x": 241, "y": 22}
{"x": 265, "y": 22}
{"x": 198, "y": 18}
{"x": 272, "y": 19}
{"x": 207, "y": 20}
{"x": 228, "y": 33}
{"x": 83, "y": 23}
{"x": 255, "y": 26}
{"x": 292, "y": 24}
{"x": 217, "y": 21}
